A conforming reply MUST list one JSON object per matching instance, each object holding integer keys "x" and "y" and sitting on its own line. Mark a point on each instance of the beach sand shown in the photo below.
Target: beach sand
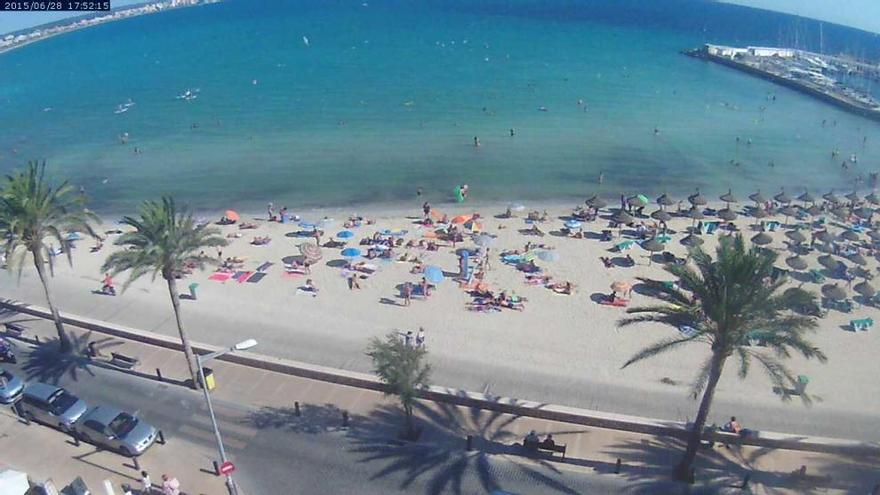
{"x": 563, "y": 349}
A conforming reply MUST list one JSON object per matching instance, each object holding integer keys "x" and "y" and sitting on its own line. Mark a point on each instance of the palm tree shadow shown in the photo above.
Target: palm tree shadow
{"x": 311, "y": 420}
{"x": 441, "y": 458}
{"x": 46, "y": 364}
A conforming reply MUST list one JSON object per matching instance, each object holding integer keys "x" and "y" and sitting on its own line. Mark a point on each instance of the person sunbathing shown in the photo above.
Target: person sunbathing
{"x": 233, "y": 235}
{"x": 529, "y": 267}
{"x": 261, "y": 241}
{"x": 561, "y": 287}
{"x": 248, "y": 225}
{"x": 533, "y": 279}
{"x": 333, "y": 243}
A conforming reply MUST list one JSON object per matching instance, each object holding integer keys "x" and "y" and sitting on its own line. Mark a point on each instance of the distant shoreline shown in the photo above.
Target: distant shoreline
{"x": 10, "y": 41}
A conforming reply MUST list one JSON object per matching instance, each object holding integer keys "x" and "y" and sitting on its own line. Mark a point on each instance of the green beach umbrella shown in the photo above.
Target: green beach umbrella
{"x": 636, "y": 201}
{"x": 661, "y": 215}
{"x": 757, "y": 197}
{"x": 762, "y": 239}
{"x": 642, "y": 198}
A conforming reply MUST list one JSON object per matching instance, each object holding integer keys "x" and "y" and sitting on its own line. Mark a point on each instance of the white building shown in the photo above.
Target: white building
{"x": 764, "y": 51}
{"x": 725, "y": 51}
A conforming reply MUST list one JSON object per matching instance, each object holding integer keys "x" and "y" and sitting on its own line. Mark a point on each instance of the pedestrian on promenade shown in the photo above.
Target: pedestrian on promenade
{"x": 170, "y": 485}
{"x": 146, "y": 483}
{"x": 408, "y": 338}
{"x": 420, "y": 338}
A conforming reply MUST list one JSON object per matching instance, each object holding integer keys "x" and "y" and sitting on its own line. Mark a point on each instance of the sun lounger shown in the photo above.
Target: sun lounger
{"x": 711, "y": 227}
{"x": 664, "y": 238}
{"x": 367, "y": 268}
{"x": 817, "y": 276}
{"x": 623, "y": 246}
{"x": 864, "y": 324}
{"x": 772, "y": 225}
{"x": 265, "y": 266}
{"x": 256, "y": 277}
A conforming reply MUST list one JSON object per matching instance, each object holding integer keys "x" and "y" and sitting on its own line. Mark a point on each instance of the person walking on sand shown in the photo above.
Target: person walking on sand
{"x": 170, "y": 485}
{"x": 271, "y": 211}
{"x": 407, "y": 293}
{"x": 420, "y": 338}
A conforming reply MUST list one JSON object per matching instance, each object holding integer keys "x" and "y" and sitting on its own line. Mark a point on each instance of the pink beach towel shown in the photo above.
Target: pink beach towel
{"x": 220, "y": 276}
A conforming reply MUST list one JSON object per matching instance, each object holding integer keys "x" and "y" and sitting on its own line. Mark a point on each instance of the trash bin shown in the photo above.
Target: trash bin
{"x": 192, "y": 290}
{"x": 209, "y": 384}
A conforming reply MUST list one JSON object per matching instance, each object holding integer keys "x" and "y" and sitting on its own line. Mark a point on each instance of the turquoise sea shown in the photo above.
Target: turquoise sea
{"x": 349, "y": 102}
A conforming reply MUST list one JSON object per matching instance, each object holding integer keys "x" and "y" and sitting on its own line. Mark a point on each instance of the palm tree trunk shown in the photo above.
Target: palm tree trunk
{"x": 63, "y": 338}
{"x": 683, "y": 469}
{"x": 184, "y": 339}
{"x": 407, "y": 411}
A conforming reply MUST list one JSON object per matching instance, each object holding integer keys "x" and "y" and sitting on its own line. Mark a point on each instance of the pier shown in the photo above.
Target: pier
{"x": 809, "y": 73}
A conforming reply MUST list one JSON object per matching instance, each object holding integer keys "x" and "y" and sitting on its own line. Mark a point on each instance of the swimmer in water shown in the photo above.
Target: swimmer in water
{"x": 601, "y": 177}
{"x": 476, "y": 142}
{"x": 512, "y": 132}
{"x": 656, "y": 131}
{"x": 419, "y": 191}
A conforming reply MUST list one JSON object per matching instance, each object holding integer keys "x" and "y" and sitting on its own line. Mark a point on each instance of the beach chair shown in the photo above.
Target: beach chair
{"x": 772, "y": 225}
{"x": 664, "y": 238}
{"x": 711, "y": 227}
{"x": 800, "y": 386}
{"x": 863, "y": 324}
{"x": 816, "y": 276}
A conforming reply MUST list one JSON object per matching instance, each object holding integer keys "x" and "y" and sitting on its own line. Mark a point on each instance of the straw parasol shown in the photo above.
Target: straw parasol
{"x": 729, "y": 198}
{"x": 828, "y": 262}
{"x": 865, "y": 289}
{"x": 760, "y": 213}
{"x": 853, "y": 196}
{"x": 637, "y": 201}
{"x": 849, "y": 235}
{"x": 620, "y": 286}
{"x": 622, "y": 217}
{"x": 727, "y": 214}
{"x": 665, "y": 200}
{"x": 874, "y": 235}
{"x": 813, "y": 210}
{"x": 833, "y": 291}
{"x": 596, "y": 202}
{"x": 858, "y": 259}
{"x": 824, "y": 236}
{"x": 691, "y": 241}
{"x": 762, "y": 239}
{"x": 864, "y": 213}
{"x": 796, "y": 236}
{"x": 697, "y": 199}
{"x": 661, "y": 215}
{"x": 830, "y": 197}
{"x": 782, "y": 197}
{"x": 757, "y": 197}
{"x": 653, "y": 246}
{"x": 873, "y": 198}
{"x": 696, "y": 214}
{"x": 842, "y": 213}
{"x": 788, "y": 211}
{"x": 796, "y": 263}
{"x": 806, "y": 197}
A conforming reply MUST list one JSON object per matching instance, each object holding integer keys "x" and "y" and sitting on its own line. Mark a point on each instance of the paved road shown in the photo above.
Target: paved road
{"x": 277, "y": 454}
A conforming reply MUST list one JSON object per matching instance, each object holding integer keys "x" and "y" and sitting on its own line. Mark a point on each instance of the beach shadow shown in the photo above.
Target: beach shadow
{"x": 594, "y": 236}
{"x": 598, "y": 297}
{"x": 337, "y": 263}
{"x": 622, "y": 262}
{"x": 300, "y": 234}
{"x": 312, "y": 419}
{"x": 391, "y": 302}
{"x": 558, "y": 233}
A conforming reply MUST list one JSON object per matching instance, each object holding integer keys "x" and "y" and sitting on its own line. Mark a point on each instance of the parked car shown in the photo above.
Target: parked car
{"x": 115, "y": 429}
{"x": 51, "y": 405}
{"x": 11, "y": 387}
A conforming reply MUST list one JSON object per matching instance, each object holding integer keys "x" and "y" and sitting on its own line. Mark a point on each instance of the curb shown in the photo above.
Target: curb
{"x": 466, "y": 398}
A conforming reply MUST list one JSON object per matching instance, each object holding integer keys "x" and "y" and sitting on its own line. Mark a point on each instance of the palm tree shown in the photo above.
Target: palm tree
{"x": 399, "y": 365}
{"x": 165, "y": 241}
{"x": 34, "y": 216}
{"x": 732, "y": 296}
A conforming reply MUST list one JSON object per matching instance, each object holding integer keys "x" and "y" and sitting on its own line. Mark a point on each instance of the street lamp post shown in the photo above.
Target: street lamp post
{"x": 200, "y": 360}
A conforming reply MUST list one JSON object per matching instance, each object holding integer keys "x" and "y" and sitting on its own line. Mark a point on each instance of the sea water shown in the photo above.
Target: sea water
{"x": 350, "y": 102}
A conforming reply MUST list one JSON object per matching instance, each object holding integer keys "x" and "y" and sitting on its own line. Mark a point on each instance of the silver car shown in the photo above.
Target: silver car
{"x": 117, "y": 430}
{"x": 11, "y": 387}
{"x": 51, "y": 405}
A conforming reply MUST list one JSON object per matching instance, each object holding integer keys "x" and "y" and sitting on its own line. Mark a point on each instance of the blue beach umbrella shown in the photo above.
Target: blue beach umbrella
{"x": 351, "y": 252}
{"x": 573, "y": 224}
{"x": 345, "y": 234}
{"x": 433, "y": 274}
{"x": 548, "y": 255}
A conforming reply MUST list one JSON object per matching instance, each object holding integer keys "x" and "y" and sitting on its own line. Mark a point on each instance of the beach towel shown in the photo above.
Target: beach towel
{"x": 292, "y": 275}
{"x": 220, "y": 276}
{"x": 256, "y": 277}
{"x": 301, "y": 291}
{"x": 623, "y": 246}
{"x": 862, "y": 324}
{"x": 264, "y": 266}
{"x": 620, "y": 303}
{"x": 242, "y": 277}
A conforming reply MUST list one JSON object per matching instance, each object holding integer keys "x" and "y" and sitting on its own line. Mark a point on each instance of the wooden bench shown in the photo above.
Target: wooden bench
{"x": 542, "y": 447}
{"x": 123, "y": 361}
{"x": 15, "y": 329}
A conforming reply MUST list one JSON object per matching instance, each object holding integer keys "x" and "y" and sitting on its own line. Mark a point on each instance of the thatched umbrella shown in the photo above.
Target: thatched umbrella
{"x": 830, "y": 197}
{"x": 873, "y": 198}
{"x": 864, "y": 213}
{"x": 853, "y": 196}
{"x": 858, "y": 259}
{"x": 691, "y": 241}
{"x": 596, "y": 202}
{"x": 841, "y": 213}
{"x": 653, "y": 246}
{"x": 697, "y": 199}
{"x": 622, "y": 217}
{"x": 665, "y": 200}
{"x": 637, "y": 201}
{"x": 813, "y": 211}
{"x": 796, "y": 236}
{"x": 796, "y": 263}
{"x": 757, "y": 197}
{"x": 729, "y": 197}
{"x": 849, "y": 235}
{"x": 661, "y": 215}
{"x": 874, "y": 235}
{"x": 782, "y": 197}
{"x": 760, "y": 213}
{"x": 762, "y": 239}
{"x": 833, "y": 291}
{"x": 865, "y": 289}
{"x": 806, "y": 197}
{"x": 727, "y": 215}
{"x": 696, "y": 214}
{"x": 788, "y": 211}
{"x": 824, "y": 236}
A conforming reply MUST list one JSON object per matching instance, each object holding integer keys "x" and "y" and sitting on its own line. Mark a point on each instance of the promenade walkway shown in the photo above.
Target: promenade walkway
{"x": 267, "y": 400}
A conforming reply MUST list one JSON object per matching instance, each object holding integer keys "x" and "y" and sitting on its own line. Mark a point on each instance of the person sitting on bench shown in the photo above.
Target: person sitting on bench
{"x": 548, "y": 442}
{"x": 531, "y": 441}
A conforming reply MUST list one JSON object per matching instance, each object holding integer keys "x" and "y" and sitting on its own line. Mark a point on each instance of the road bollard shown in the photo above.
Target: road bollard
{"x": 617, "y": 466}
{"x": 345, "y": 419}
{"x": 745, "y": 483}
{"x": 296, "y": 411}
{"x": 160, "y": 437}
{"x": 159, "y": 375}
{"x": 216, "y": 468}
{"x": 469, "y": 442}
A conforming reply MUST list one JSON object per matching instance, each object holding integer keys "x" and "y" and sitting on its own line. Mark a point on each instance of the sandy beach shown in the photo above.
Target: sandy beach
{"x": 563, "y": 349}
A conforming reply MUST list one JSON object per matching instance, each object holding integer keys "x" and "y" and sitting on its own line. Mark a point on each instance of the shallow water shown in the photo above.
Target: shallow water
{"x": 388, "y": 98}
